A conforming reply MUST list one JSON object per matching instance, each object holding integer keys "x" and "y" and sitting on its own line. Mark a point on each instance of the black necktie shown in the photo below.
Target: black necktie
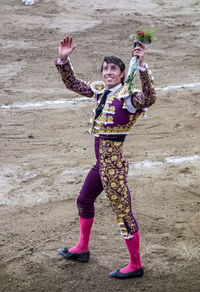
{"x": 102, "y": 103}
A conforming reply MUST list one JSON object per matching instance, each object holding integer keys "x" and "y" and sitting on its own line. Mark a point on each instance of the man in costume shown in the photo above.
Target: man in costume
{"x": 115, "y": 112}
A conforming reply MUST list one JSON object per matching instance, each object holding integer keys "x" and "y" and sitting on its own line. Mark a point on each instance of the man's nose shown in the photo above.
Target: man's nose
{"x": 109, "y": 71}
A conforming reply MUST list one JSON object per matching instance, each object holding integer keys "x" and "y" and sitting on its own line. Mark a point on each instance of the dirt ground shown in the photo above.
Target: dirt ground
{"x": 46, "y": 149}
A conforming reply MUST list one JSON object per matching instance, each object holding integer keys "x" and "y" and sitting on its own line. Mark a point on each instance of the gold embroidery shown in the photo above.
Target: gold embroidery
{"x": 124, "y": 129}
{"x": 110, "y": 99}
{"x": 109, "y": 109}
{"x": 141, "y": 100}
{"x": 97, "y": 87}
{"x": 123, "y": 92}
{"x": 114, "y": 183}
{"x": 105, "y": 119}
{"x": 124, "y": 105}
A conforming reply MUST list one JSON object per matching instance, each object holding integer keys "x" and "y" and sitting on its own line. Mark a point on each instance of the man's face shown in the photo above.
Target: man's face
{"x": 111, "y": 74}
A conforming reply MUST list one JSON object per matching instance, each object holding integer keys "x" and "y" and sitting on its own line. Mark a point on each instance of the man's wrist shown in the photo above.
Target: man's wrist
{"x": 63, "y": 58}
{"x": 143, "y": 68}
{"x": 62, "y": 61}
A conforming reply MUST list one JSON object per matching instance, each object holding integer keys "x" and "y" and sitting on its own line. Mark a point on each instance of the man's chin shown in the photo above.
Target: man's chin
{"x": 109, "y": 84}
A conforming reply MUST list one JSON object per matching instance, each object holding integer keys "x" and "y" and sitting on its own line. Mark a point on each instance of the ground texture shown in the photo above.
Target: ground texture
{"x": 46, "y": 150}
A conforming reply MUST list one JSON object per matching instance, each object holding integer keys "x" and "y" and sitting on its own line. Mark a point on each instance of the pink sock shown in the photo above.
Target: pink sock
{"x": 85, "y": 230}
{"x": 133, "y": 245}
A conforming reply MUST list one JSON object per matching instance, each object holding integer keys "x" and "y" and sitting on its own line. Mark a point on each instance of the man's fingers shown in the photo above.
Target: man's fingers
{"x": 70, "y": 40}
{"x": 138, "y": 49}
{"x": 66, "y": 39}
{"x": 74, "y": 47}
{"x": 136, "y": 52}
{"x": 142, "y": 45}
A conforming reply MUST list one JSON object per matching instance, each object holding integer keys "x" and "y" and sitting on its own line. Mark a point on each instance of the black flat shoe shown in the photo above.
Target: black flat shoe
{"x": 117, "y": 274}
{"x": 81, "y": 257}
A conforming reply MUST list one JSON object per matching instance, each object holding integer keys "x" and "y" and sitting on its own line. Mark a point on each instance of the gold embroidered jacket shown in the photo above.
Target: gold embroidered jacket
{"x": 115, "y": 118}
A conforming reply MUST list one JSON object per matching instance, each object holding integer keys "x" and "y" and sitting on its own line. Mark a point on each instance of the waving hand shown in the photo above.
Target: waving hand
{"x": 66, "y": 47}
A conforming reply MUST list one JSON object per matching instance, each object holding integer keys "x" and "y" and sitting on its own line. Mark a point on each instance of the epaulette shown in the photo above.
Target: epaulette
{"x": 97, "y": 87}
{"x": 124, "y": 92}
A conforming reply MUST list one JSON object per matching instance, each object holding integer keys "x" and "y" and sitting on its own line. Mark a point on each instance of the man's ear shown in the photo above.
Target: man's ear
{"x": 122, "y": 74}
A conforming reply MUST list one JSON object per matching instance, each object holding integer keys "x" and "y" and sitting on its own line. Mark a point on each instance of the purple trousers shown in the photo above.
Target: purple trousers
{"x": 109, "y": 174}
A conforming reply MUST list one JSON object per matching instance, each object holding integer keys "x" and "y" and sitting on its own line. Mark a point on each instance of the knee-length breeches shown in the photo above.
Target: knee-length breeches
{"x": 109, "y": 174}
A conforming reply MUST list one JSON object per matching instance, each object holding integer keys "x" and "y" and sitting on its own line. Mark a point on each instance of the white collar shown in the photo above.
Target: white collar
{"x": 114, "y": 89}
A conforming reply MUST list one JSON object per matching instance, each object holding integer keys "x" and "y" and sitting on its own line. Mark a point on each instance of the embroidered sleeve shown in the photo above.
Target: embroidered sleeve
{"x": 147, "y": 97}
{"x": 72, "y": 82}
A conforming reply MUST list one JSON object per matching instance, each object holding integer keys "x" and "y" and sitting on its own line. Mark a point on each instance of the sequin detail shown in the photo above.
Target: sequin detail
{"x": 113, "y": 171}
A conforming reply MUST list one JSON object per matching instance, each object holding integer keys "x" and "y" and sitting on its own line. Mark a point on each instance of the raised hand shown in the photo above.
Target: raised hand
{"x": 66, "y": 47}
{"x": 140, "y": 52}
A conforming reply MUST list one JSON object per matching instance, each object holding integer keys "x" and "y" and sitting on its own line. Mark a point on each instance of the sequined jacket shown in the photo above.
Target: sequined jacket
{"x": 115, "y": 118}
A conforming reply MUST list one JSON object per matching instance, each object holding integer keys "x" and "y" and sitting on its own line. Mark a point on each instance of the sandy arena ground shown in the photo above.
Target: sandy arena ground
{"x": 46, "y": 149}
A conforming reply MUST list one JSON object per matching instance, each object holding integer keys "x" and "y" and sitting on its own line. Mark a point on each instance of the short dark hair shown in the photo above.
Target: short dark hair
{"x": 116, "y": 61}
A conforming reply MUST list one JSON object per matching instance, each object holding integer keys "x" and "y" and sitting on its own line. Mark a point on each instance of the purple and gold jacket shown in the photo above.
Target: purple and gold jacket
{"x": 115, "y": 118}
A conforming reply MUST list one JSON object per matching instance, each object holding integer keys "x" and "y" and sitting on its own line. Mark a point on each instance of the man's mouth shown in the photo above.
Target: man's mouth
{"x": 109, "y": 78}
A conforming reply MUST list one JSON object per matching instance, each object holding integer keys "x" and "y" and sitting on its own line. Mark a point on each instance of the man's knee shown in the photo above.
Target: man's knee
{"x": 85, "y": 208}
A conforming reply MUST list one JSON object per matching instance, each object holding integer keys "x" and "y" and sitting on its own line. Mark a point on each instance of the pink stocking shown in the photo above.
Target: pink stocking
{"x": 85, "y": 230}
{"x": 133, "y": 245}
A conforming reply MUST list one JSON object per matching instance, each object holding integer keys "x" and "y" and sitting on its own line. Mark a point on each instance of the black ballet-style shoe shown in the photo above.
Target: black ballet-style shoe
{"x": 81, "y": 257}
{"x": 117, "y": 274}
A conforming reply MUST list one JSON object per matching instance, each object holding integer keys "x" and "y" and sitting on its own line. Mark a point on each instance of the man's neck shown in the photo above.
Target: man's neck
{"x": 115, "y": 88}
